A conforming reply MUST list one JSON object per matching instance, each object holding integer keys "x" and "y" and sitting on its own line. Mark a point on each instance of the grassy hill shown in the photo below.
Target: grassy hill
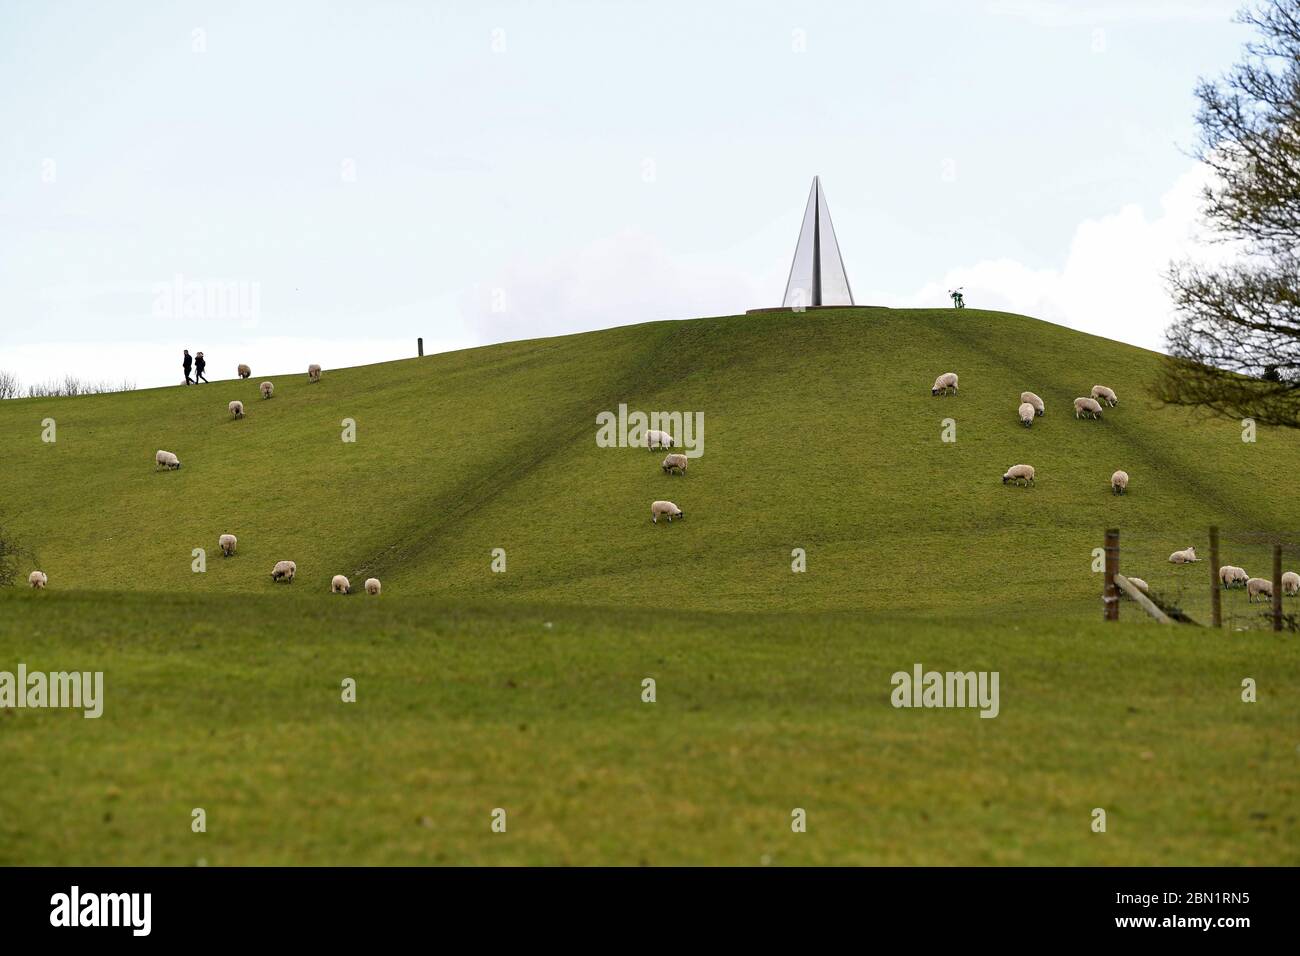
{"x": 820, "y": 433}
{"x": 522, "y": 690}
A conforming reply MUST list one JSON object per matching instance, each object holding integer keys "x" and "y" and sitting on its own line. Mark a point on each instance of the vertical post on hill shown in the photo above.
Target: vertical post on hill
{"x": 1277, "y": 587}
{"x": 1110, "y": 593}
{"x": 1216, "y": 598}
{"x": 419, "y": 344}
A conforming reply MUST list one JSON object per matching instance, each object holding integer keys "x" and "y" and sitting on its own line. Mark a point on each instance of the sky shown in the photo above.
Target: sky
{"x": 279, "y": 183}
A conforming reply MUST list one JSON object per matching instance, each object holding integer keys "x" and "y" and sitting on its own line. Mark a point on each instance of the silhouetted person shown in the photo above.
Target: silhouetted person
{"x": 199, "y": 366}
{"x": 187, "y": 364}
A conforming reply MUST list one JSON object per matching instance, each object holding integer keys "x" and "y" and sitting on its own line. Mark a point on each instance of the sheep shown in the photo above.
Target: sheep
{"x": 1018, "y": 473}
{"x": 674, "y": 461}
{"x": 1140, "y": 585}
{"x": 244, "y": 371}
{"x": 1086, "y": 406}
{"x": 313, "y": 373}
{"x": 948, "y": 380}
{"x": 1105, "y": 394}
{"x": 1026, "y": 413}
{"x": 340, "y": 585}
{"x": 1034, "y": 400}
{"x": 1256, "y": 587}
{"x": 667, "y": 509}
{"x": 1119, "y": 483}
{"x": 1185, "y": 556}
{"x": 1231, "y": 576}
{"x": 1291, "y": 584}
{"x": 654, "y": 438}
{"x": 267, "y": 389}
{"x": 37, "y": 579}
{"x": 236, "y": 409}
{"x": 227, "y": 543}
{"x": 373, "y": 586}
{"x": 166, "y": 459}
{"x": 284, "y": 571}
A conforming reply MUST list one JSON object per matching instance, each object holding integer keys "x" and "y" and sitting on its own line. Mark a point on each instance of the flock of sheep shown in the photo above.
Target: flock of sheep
{"x": 1031, "y": 407}
{"x": 283, "y": 571}
{"x": 673, "y": 463}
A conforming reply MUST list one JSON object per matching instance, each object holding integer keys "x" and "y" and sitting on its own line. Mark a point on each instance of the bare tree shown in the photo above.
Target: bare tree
{"x": 10, "y": 387}
{"x": 1235, "y": 347}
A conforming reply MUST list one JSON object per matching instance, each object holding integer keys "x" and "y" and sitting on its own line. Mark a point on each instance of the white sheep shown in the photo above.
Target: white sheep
{"x": 1034, "y": 400}
{"x": 1231, "y": 576}
{"x": 1256, "y": 587}
{"x": 946, "y": 381}
{"x": 675, "y": 462}
{"x": 1027, "y": 413}
{"x": 667, "y": 509}
{"x": 1140, "y": 585}
{"x": 1086, "y": 406}
{"x": 38, "y": 579}
{"x": 236, "y": 409}
{"x": 1019, "y": 473}
{"x": 166, "y": 459}
{"x": 284, "y": 571}
{"x": 1105, "y": 394}
{"x": 313, "y": 373}
{"x": 1291, "y": 584}
{"x": 340, "y": 585}
{"x": 244, "y": 371}
{"x": 373, "y": 586}
{"x": 1185, "y": 556}
{"x": 227, "y": 543}
{"x": 1119, "y": 482}
{"x": 654, "y": 438}
{"x": 267, "y": 389}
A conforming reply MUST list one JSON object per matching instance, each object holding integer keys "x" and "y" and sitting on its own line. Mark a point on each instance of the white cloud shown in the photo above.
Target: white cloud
{"x": 1112, "y": 281}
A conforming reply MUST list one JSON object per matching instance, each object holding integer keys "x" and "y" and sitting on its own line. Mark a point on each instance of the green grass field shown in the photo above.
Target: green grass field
{"x": 522, "y": 689}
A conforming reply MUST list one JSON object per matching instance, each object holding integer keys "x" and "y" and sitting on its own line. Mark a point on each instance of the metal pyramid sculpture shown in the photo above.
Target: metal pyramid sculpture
{"x": 817, "y": 274}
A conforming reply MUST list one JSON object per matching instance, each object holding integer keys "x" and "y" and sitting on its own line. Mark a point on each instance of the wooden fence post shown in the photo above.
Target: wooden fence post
{"x": 419, "y": 344}
{"x": 1110, "y": 593}
{"x": 1216, "y": 598}
{"x": 1277, "y": 587}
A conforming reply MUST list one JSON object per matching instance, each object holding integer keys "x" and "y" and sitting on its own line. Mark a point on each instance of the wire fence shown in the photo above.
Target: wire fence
{"x": 1235, "y": 579}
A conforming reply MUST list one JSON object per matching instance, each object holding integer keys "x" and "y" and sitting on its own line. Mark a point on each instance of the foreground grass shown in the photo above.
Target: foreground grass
{"x": 232, "y": 703}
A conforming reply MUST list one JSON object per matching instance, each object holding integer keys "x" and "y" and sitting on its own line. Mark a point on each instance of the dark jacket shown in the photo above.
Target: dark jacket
{"x": 188, "y": 362}
{"x": 199, "y": 363}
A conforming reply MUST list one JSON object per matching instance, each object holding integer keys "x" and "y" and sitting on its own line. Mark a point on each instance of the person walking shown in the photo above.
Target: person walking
{"x": 199, "y": 365}
{"x": 187, "y": 364}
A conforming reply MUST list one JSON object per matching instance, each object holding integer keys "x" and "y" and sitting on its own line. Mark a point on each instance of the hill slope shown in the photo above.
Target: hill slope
{"x": 820, "y": 433}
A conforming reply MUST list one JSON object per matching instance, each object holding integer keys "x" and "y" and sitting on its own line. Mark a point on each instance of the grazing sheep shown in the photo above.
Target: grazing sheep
{"x": 236, "y": 409}
{"x": 37, "y": 579}
{"x": 1027, "y": 413}
{"x": 1256, "y": 587}
{"x": 244, "y": 371}
{"x": 675, "y": 461}
{"x": 1231, "y": 576}
{"x": 1119, "y": 482}
{"x": 267, "y": 389}
{"x": 948, "y": 380}
{"x": 1019, "y": 473}
{"x": 1185, "y": 556}
{"x": 313, "y": 373}
{"x": 340, "y": 585}
{"x": 373, "y": 586}
{"x": 228, "y": 543}
{"x": 1140, "y": 585}
{"x": 166, "y": 459}
{"x": 1034, "y": 400}
{"x": 1291, "y": 584}
{"x": 1086, "y": 407}
{"x": 667, "y": 509}
{"x": 654, "y": 438}
{"x": 284, "y": 571}
{"x": 1105, "y": 394}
